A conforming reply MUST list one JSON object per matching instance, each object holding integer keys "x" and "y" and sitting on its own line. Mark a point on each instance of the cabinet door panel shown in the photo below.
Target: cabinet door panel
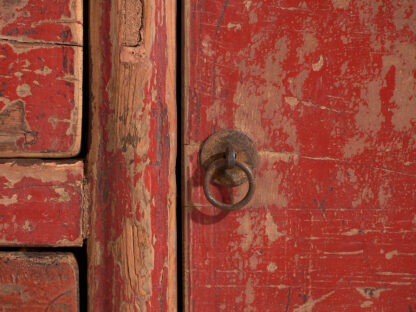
{"x": 326, "y": 89}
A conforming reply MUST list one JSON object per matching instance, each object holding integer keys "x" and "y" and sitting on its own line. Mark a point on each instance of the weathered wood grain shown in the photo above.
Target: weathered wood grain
{"x": 327, "y": 91}
{"x": 40, "y": 78}
{"x": 31, "y": 282}
{"x": 131, "y": 160}
{"x": 42, "y": 203}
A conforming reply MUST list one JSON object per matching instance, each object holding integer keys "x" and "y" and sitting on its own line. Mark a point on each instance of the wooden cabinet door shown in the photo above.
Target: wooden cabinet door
{"x": 327, "y": 91}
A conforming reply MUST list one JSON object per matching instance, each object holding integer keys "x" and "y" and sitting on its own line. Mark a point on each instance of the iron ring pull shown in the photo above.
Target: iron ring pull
{"x": 227, "y": 163}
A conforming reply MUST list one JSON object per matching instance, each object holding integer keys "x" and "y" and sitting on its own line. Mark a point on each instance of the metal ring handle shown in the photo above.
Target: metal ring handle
{"x": 222, "y": 164}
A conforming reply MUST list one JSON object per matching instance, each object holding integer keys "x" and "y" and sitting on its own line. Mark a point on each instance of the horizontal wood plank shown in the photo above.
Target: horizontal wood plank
{"x": 41, "y": 203}
{"x": 38, "y": 282}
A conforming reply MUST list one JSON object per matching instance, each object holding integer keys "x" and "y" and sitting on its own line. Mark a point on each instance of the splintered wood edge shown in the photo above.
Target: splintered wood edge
{"x": 77, "y": 125}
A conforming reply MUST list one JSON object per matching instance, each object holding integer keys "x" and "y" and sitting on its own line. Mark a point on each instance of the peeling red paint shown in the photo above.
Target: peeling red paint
{"x": 40, "y": 78}
{"x": 131, "y": 162}
{"x": 59, "y": 21}
{"x": 41, "y": 204}
{"x": 326, "y": 89}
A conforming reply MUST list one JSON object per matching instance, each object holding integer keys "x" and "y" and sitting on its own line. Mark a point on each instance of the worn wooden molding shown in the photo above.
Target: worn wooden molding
{"x": 34, "y": 281}
{"x": 42, "y": 203}
{"x": 131, "y": 159}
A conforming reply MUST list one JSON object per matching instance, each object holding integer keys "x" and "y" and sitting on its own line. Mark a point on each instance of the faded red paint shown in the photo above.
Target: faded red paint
{"x": 57, "y": 21}
{"x": 132, "y": 162}
{"x": 31, "y": 281}
{"x": 41, "y": 203}
{"x": 40, "y": 78}
{"x": 326, "y": 89}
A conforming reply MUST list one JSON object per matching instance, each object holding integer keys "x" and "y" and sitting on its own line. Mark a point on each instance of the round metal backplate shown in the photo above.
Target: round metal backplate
{"x": 215, "y": 147}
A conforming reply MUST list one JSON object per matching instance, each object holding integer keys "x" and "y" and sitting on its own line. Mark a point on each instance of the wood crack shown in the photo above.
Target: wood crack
{"x": 37, "y": 42}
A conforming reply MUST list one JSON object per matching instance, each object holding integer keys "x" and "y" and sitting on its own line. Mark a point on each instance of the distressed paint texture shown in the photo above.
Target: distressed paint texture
{"x": 42, "y": 203}
{"x": 40, "y": 78}
{"x": 132, "y": 247}
{"x": 31, "y": 282}
{"x": 327, "y": 90}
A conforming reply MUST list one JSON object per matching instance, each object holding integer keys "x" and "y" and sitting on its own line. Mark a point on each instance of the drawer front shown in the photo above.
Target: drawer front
{"x": 42, "y": 203}
{"x": 38, "y": 282}
{"x": 40, "y": 78}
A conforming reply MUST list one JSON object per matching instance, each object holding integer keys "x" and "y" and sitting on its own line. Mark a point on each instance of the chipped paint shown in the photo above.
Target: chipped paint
{"x": 318, "y": 65}
{"x": 326, "y": 90}
{"x": 369, "y": 292}
{"x": 272, "y": 228}
{"x": 34, "y": 195}
{"x": 309, "y": 305}
{"x": 340, "y": 4}
{"x": 132, "y": 246}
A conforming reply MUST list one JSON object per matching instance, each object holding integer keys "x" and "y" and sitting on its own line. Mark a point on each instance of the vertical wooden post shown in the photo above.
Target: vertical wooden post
{"x": 132, "y": 152}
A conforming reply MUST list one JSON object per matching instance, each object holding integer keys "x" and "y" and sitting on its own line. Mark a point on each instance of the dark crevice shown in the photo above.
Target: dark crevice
{"x": 35, "y": 42}
{"x": 85, "y": 84}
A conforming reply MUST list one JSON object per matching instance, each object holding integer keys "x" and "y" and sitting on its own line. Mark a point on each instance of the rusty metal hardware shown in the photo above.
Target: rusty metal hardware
{"x": 228, "y": 158}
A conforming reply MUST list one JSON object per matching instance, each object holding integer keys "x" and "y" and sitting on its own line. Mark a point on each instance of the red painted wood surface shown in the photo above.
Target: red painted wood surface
{"x": 326, "y": 89}
{"x": 42, "y": 203}
{"x": 40, "y": 78}
{"x": 131, "y": 161}
{"x": 58, "y": 21}
{"x": 31, "y": 282}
